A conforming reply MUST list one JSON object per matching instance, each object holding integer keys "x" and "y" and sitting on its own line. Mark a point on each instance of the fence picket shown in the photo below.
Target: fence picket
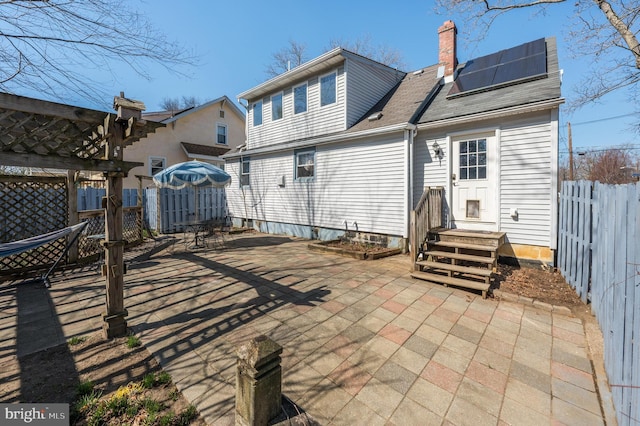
{"x": 599, "y": 255}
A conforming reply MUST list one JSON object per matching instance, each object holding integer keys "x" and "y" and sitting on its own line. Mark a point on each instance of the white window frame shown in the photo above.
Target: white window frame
{"x": 226, "y": 134}
{"x": 335, "y": 88}
{"x": 297, "y": 165}
{"x": 245, "y": 176}
{"x": 281, "y": 106}
{"x": 306, "y": 99}
{"x": 253, "y": 112}
{"x": 154, "y": 158}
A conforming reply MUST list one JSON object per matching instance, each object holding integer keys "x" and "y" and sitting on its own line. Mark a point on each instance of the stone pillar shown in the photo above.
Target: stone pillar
{"x": 258, "y": 382}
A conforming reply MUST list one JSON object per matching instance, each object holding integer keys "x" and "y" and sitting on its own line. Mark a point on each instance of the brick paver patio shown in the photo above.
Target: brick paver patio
{"x": 363, "y": 342}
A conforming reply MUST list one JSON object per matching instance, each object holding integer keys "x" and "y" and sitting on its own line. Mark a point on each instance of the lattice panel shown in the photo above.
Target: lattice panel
{"x": 89, "y": 243}
{"x": 32, "y": 206}
{"x": 132, "y": 223}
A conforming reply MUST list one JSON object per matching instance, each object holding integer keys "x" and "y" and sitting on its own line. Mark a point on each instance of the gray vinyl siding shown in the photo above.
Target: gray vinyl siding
{"x": 316, "y": 121}
{"x": 361, "y": 182}
{"x": 525, "y": 181}
{"x": 427, "y": 170}
{"x": 366, "y": 85}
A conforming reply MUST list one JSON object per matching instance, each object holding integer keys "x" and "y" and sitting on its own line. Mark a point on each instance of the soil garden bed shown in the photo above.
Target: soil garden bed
{"x": 353, "y": 249}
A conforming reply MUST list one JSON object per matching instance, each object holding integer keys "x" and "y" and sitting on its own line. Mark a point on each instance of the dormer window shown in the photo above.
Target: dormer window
{"x": 257, "y": 113}
{"x": 328, "y": 89}
{"x": 300, "y": 99}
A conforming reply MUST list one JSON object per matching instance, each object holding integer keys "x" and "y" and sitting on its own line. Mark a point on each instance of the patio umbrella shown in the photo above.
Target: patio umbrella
{"x": 192, "y": 173}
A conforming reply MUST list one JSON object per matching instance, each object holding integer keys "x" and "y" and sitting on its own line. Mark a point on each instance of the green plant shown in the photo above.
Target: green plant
{"x": 87, "y": 401}
{"x": 76, "y": 340}
{"x": 163, "y": 378}
{"x": 189, "y": 414}
{"x": 167, "y": 420}
{"x": 174, "y": 394}
{"x": 85, "y": 388}
{"x": 152, "y": 406}
{"x": 133, "y": 341}
{"x": 117, "y": 405}
{"x": 148, "y": 380}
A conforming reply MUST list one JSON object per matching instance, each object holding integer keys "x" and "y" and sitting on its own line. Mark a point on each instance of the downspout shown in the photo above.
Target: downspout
{"x": 244, "y": 148}
{"x": 409, "y": 135}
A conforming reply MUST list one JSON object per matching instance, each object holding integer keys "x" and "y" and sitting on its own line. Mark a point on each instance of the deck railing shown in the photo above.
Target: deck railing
{"x": 426, "y": 216}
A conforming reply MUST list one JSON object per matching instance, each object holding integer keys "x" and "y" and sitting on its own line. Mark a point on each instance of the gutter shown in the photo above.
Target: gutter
{"x": 338, "y": 137}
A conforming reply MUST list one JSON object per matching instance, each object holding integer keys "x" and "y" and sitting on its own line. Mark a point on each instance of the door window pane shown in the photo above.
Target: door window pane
{"x": 473, "y": 159}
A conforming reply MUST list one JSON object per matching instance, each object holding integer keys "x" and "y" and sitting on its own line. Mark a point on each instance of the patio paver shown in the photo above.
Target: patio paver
{"x": 363, "y": 342}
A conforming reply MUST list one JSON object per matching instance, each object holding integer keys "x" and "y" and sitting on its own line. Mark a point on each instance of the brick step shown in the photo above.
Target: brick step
{"x": 461, "y": 256}
{"x": 447, "y": 281}
{"x": 455, "y": 268}
{"x": 464, "y": 246}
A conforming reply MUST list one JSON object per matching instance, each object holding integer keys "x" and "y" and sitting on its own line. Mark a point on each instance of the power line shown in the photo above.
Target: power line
{"x": 604, "y": 119}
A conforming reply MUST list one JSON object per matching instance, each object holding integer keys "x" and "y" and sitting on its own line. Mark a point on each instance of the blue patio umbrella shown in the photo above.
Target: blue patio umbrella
{"x": 192, "y": 173}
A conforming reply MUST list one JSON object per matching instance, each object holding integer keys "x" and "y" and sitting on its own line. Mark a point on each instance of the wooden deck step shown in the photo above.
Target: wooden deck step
{"x": 458, "y": 282}
{"x": 461, "y": 256}
{"x": 483, "y": 272}
{"x": 465, "y": 246}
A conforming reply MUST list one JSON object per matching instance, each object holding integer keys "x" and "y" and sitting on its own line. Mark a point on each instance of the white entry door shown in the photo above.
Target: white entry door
{"x": 474, "y": 183}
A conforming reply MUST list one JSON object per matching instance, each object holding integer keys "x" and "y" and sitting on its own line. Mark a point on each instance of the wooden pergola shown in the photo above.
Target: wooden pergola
{"x": 36, "y": 133}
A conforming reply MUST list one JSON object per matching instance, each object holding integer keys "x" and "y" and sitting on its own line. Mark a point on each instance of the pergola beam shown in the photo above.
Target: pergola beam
{"x": 67, "y": 163}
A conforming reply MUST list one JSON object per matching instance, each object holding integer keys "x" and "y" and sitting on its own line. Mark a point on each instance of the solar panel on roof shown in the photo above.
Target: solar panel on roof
{"x": 521, "y": 63}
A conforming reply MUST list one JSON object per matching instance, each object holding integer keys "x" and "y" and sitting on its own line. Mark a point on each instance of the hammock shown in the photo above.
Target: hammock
{"x": 16, "y": 247}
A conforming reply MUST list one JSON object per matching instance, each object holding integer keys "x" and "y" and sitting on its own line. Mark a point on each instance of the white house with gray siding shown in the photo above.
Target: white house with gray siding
{"x": 343, "y": 143}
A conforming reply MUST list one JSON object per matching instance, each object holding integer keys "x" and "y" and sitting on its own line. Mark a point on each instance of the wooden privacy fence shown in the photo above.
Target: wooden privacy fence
{"x": 177, "y": 207}
{"x": 599, "y": 255}
{"x": 426, "y": 216}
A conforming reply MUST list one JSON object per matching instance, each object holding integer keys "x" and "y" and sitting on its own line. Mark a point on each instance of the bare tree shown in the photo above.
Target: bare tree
{"x": 287, "y": 58}
{"x": 177, "y": 104}
{"x": 364, "y": 46}
{"x": 296, "y": 54}
{"x": 611, "y": 166}
{"x": 605, "y": 31}
{"x": 52, "y": 46}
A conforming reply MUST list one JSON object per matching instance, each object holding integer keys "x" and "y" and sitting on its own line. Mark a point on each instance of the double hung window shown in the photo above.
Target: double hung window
{"x": 305, "y": 164}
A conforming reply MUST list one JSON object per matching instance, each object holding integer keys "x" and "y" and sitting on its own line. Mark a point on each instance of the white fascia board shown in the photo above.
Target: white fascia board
{"x": 325, "y": 140}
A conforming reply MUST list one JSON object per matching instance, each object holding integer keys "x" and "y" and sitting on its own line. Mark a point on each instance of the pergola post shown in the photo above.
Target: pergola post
{"x": 115, "y": 324}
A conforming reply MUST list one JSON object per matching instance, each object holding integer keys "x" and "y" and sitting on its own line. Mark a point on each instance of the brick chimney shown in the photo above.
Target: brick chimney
{"x": 447, "y": 52}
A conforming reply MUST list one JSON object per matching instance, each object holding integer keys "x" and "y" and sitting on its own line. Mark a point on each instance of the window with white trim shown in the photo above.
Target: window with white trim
{"x": 245, "y": 169}
{"x": 221, "y": 134}
{"x": 305, "y": 164}
{"x": 473, "y": 159}
{"x": 300, "y": 99}
{"x": 328, "y": 89}
{"x": 276, "y": 107}
{"x": 257, "y": 113}
{"x": 156, "y": 165}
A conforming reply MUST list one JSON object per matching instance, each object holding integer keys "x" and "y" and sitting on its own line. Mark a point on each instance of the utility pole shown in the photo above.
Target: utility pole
{"x": 570, "y": 151}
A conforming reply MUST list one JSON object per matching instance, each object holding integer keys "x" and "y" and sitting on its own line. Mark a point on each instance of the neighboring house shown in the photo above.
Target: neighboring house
{"x": 346, "y": 143}
{"x": 205, "y": 133}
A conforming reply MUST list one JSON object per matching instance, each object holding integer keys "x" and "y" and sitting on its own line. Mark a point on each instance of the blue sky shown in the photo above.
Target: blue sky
{"x": 235, "y": 41}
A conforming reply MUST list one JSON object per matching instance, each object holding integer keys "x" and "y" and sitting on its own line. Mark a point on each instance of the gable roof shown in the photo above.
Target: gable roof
{"x": 315, "y": 66}
{"x": 170, "y": 116}
{"x": 517, "y": 93}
